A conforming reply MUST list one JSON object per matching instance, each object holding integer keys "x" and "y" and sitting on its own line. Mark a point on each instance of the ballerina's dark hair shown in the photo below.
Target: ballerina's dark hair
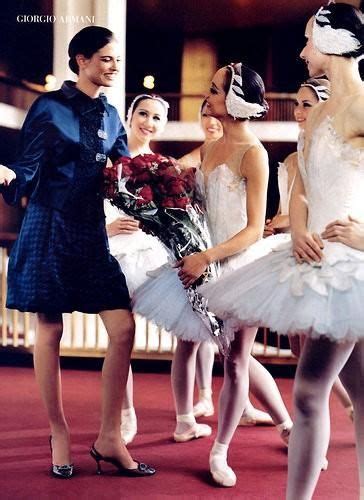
{"x": 252, "y": 86}
{"x": 86, "y": 42}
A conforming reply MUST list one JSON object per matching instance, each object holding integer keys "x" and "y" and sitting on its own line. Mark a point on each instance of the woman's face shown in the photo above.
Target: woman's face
{"x": 314, "y": 59}
{"x": 305, "y": 100}
{"x": 211, "y": 126}
{"x": 148, "y": 119}
{"x": 103, "y": 66}
{"x": 215, "y": 99}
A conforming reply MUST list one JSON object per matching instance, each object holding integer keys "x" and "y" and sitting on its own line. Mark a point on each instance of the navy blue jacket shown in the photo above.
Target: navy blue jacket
{"x": 56, "y": 154}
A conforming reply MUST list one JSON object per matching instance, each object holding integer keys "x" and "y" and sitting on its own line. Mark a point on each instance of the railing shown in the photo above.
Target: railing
{"x": 84, "y": 334}
{"x": 21, "y": 94}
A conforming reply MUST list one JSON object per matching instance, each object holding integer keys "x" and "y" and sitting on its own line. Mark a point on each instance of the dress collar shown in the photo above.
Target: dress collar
{"x": 86, "y": 103}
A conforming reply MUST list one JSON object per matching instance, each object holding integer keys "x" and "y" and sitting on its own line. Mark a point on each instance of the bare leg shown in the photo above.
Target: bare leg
{"x": 129, "y": 424}
{"x": 319, "y": 365}
{"x": 120, "y": 328}
{"x": 48, "y": 376}
{"x": 352, "y": 377}
{"x": 183, "y": 379}
{"x": 204, "y": 365}
{"x": 233, "y": 398}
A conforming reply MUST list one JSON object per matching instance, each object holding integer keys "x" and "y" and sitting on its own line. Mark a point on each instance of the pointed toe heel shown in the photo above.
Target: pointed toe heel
{"x": 142, "y": 470}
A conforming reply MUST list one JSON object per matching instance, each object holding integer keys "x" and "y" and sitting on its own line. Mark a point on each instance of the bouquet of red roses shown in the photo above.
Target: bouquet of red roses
{"x": 156, "y": 191}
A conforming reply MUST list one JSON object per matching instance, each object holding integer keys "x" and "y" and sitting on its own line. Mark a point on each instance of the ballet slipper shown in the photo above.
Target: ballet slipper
{"x": 284, "y": 430}
{"x": 221, "y": 472}
{"x": 325, "y": 464}
{"x": 195, "y": 430}
{"x": 128, "y": 426}
{"x": 252, "y": 416}
{"x": 203, "y": 408}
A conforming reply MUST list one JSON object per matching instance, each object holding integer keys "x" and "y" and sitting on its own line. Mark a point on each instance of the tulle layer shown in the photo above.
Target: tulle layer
{"x": 163, "y": 300}
{"x": 276, "y": 292}
{"x": 138, "y": 254}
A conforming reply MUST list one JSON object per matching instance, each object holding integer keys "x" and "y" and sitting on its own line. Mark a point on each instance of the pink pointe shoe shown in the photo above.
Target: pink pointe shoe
{"x": 221, "y": 472}
{"x": 203, "y": 408}
{"x": 252, "y": 416}
{"x": 284, "y": 430}
{"x": 195, "y": 430}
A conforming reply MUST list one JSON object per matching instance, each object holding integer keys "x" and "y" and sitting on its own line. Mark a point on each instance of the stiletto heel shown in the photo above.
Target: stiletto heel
{"x": 140, "y": 471}
{"x": 60, "y": 471}
{"x": 96, "y": 456}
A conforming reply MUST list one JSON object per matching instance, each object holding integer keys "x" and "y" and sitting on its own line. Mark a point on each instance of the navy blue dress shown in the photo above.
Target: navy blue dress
{"x": 61, "y": 261}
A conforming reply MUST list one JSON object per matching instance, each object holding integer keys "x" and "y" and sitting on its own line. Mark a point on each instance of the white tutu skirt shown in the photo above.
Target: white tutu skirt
{"x": 276, "y": 292}
{"x": 162, "y": 299}
{"x": 138, "y": 254}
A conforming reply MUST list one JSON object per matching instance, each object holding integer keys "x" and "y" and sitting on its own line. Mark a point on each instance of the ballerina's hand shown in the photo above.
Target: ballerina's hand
{"x": 349, "y": 232}
{"x": 122, "y": 225}
{"x": 280, "y": 222}
{"x": 191, "y": 268}
{"x": 268, "y": 228}
{"x": 6, "y": 175}
{"x": 307, "y": 247}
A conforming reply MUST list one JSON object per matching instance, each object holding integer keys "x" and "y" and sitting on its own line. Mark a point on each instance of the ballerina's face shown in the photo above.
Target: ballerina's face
{"x": 211, "y": 126}
{"x": 305, "y": 100}
{"x": 314, "y": 59}
{"x": 148, "y": 119}
{"x": 215, "y": 99}
{"x": 103, "y": 66}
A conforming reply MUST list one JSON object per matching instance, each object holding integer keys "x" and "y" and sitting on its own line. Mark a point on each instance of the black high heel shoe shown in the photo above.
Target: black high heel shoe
{"x": 60, "y": 471}
{"x": 141, "y": 470}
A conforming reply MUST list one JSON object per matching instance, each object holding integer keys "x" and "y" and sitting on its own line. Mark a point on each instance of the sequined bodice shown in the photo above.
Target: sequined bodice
{"x": 333, "y": 177}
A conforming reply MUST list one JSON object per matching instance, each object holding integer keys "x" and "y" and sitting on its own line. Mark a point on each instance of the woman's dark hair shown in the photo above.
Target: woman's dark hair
{"x": 347, "y": 17}
{"x": 252, "y": 86}
{"x": 86, "y": 42}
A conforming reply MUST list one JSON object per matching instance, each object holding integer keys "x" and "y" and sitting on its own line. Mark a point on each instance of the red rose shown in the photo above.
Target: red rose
{"x": 142, "y": 177}
{"x": 167, "y": 203}
{"x": 110, "y": 174}
{"x": 146, "y": 193}
{"x": 176, "y": 187}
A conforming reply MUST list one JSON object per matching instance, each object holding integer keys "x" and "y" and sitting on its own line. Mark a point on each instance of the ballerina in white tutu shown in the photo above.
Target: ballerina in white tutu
{"x": 315, "y": 285}
{"x": 260, "y": 380}
{"x": 232, "y": 182}
{"x": 136, "y": 251}
{"x": 310, "y": 93}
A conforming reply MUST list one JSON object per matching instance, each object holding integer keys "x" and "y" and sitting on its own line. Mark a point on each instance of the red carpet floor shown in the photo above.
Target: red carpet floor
{"x": 257, "y": 454}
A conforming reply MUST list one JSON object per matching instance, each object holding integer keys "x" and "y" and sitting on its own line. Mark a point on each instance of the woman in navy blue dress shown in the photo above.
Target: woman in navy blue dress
{"x": 61, "y": 261}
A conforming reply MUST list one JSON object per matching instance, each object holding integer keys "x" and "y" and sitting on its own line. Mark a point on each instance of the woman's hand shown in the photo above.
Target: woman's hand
{"x": 268, "y": 228}
{"x": 349, "y": 232}
{"x": 307, "y": 247}
{"x": 192, "y": 267}
{"x": 122, "y": 225}
{"x": 279, "y": 223}
{"x": 6, "y": 175}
